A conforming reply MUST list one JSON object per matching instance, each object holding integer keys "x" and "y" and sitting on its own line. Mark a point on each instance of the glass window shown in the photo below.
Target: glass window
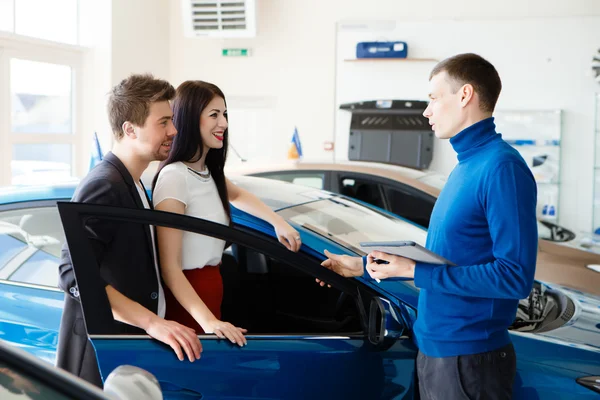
{"x": 36, "y": 228}
{"x": 362, "y": 190}
{"x": 40, "y": 269}
{"x": 349, "y": 223}
{"x": 34, "y": 164}
{"x": 41, "y": 97}
{"x": 9, "y": 247}
{"x": 7, "y": 15}
{"x": 407, "y": 204}
{"x": 54, "y": 20}
{"x": 265, "y": 295}
{"x": 313, "y": 180}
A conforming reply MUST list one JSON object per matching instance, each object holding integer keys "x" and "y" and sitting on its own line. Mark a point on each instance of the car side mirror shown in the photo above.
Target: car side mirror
{"x": 131, "y": 383}
{"x": 385, "y": 323}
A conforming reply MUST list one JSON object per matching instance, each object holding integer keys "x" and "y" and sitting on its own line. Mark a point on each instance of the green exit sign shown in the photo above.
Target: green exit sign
{"x": 236, "y": 52}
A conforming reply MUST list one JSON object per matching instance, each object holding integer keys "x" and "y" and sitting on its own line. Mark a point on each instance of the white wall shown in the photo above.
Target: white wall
{"x": 544, "y": 64}
{"x": 124, "y": 37}
{"x": 292, "y": 72}
{"x": 96, "y": 34}
{"x": 140, "y": 38}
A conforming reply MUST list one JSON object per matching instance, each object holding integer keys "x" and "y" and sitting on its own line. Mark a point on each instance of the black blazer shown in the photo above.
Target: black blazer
{"x": 125, "y": 254}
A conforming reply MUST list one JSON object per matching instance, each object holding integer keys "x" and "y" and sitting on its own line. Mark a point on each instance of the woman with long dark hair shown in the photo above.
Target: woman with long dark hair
{"x": 191, "y": 181}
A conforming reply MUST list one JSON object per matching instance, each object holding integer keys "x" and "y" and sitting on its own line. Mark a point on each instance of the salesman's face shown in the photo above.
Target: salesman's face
{"x": 444, "y": 112}
{"x": 154, "y": 139}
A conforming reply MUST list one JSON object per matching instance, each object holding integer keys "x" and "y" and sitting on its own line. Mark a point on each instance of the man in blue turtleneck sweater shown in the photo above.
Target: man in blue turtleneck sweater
{"x": 483, "y": 221}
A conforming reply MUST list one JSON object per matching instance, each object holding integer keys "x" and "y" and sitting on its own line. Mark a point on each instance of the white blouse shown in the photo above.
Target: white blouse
{"x": 201, "y": 199}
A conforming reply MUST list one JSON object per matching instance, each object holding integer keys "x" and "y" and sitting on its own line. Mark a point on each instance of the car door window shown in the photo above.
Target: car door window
{"x": 267, "y": 288}
{"x": 312, "y": 179}
{"x": 363, "y": 190}
{"x": 268, "y": 296}
{"x": 9, "y": 247}
{"x": 31, "y": 240}
{"x": 39, "y": 269}
{"x": 407, "y": 204}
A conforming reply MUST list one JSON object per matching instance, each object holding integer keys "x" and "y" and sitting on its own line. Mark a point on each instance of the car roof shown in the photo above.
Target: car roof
{"x": 426, "y": 181}
{"x": 15, "y": 194}
{"x": 277, "y": 195}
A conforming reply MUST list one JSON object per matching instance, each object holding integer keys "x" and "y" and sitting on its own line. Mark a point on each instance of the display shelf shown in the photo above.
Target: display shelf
{"x": 536, "y": 134}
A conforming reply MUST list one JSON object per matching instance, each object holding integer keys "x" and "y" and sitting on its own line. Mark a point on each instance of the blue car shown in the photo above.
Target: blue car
{"x": 353, "y": 340}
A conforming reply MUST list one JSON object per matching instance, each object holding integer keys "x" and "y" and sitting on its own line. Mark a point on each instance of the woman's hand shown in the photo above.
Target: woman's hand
{"x": 287, "y": 235}
{"x": 225, "y": 330}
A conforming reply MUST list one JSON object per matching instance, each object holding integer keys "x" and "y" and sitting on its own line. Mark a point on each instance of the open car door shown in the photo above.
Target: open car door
{"x": 304, "y": 341}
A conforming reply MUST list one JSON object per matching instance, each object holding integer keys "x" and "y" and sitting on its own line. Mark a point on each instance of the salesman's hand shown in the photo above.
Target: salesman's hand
{"x": 343, "y": 265}
{"x": 397, "y": 266}
{"x": 179, "y": 337}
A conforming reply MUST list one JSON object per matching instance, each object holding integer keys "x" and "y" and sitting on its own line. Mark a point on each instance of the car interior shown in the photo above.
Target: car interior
{"x": 405, "y": 202}
{"x": 268, "y": 296}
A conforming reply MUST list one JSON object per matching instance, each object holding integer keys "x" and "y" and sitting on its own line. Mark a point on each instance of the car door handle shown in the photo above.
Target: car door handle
{"x": 176, "y": 392}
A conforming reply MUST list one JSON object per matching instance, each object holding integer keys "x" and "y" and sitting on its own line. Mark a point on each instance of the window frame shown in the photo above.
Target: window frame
{"x": 409, "y": 191}
{"x": 14, "y": 46}
{"x": 93, "y": 295}
{"x": 341, "y": 175}
{"x": 384, "y": 185}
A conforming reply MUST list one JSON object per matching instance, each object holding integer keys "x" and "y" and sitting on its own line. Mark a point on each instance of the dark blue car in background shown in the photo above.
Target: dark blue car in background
{"x": 353, "y": 340}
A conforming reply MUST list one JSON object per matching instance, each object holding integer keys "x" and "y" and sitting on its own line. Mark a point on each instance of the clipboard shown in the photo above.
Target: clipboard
{"x": 407, "y": 249}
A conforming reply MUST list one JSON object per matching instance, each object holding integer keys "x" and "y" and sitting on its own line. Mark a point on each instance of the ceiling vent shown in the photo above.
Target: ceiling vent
{"x": 219, "y": 18}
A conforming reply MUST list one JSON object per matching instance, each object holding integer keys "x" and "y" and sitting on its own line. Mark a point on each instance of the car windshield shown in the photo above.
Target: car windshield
{"x": 349, "y": 223}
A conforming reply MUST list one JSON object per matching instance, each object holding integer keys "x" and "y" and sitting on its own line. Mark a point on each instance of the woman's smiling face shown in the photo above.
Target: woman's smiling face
{"x": 213, "y": 123}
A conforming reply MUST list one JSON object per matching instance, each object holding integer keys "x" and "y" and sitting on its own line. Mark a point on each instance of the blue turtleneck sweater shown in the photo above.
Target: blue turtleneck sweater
{"x": 484, "y": 222}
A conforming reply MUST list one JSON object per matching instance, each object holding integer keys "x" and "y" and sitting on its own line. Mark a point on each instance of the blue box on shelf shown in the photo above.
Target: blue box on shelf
{"x": 381, "y": 50}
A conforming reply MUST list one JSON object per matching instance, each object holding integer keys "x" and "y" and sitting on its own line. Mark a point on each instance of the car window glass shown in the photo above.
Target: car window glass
{"x": 407, "y": 205}
{"x": 39, "y": 230}
{"x": 39, "y": 269}
{"x": 349, "y": 223}
{"x": 310, "y": 179}
{"x": 9, "y": 247}
{"x": 269, "y": 296}
{"x": 17, "y": 385}
{"x": 362, "y": 190}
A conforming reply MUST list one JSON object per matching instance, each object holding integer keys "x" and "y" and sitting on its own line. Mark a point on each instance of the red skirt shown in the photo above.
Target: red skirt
{"x": 207, "y": 282}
